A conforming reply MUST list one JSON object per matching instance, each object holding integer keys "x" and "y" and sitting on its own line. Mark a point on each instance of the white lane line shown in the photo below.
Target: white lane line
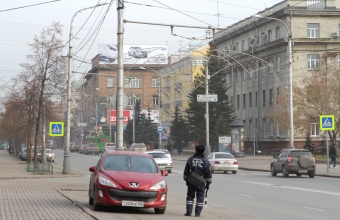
{"x": 320, "y": 210}
{"x": 246, "y": 196}
{"x": 294, "y": 188}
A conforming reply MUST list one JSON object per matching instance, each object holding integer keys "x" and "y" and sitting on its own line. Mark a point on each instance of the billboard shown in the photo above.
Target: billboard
{"x": 128, "y": 115}
{"x": 134, "y": 54}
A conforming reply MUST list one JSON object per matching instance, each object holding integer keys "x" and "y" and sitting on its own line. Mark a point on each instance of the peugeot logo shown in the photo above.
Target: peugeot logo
{"x": 133, "y": 184}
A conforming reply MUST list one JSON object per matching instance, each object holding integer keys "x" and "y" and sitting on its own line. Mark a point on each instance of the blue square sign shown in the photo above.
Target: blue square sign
{"x": 327, "y": 122}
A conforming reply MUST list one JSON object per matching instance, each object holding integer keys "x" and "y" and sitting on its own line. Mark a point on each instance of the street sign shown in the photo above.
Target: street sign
{"x": 160, "y": 128}
{"x": 56, "y": 129}
{"x": 327, "y": 122}
{"x": 207, "y": 98}
{"x": 82, "y": 124}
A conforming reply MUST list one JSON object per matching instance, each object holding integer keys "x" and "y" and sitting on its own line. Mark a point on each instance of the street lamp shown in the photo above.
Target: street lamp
{"x": 67, "y": 154}
{"x": 159, "y": 104}
{"x": 289, "y": 36}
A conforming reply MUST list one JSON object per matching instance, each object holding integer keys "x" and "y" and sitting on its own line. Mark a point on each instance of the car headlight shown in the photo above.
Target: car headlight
{"x": 106, "y": 182}
{"x": 159, "y": 185}
{"x": 169, "y": 164}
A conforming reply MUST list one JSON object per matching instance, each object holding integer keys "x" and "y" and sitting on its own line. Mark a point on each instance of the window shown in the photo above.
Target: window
{"x": 271, "y": 128}
{"x": 277, "y": 94}
{"x": 245, "y": 74}
{"x": 249, "y": 43}
{"x": 110, "y": 81}
{"x": 264, "y": 97}
{"x": 278, "y": 64}
{"x": 238, "y": 75}
{"x": 270, "y": 36}
{"x": 277, "y": 128}
{"x": 314, "y": 129}
{"x": 236, "y": 46}
{"x": 339, "y": 29}
{"x": 339, "y": 61}
{"x": 250, "y": 99}
{"x": 155, "y": 100}
{"x": 232, "y": 102}
{"x": 251, "y": 126}
{"x": 250, "y": 73}
{"x": 264, "y": 68}
{"x": 242, "y": 45}
{"x": 244, "y": 100}
{"x": 132, "y": 82}
{"x": 312, "y": 30}
{"x": 154, "y": 82}
{"x": 238, "y": 101}
{"x": 271, "y": 96}
{"x": 133, "y": 100}
{"x": 264, "y": 126}
{"x": 277, "y": 30}
{"x": 316, "y": 4}
{"x": 227, "y": 79}
{"x": 312, "y": 61}
{"x": 232, "y": 77}
{"x": 271, "y": 66}
{"x": 256, "y": 98}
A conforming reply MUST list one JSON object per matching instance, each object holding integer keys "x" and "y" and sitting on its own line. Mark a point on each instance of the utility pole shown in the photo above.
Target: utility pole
{"x": 134, "y": 115}
{"x": 207, "y": 77}
{"x": 159, "y": 110}
{"x": 43, "y": 150}
{"x": 120, "y": 76}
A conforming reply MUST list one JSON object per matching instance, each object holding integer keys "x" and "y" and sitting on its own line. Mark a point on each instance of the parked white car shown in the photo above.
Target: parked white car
{"x": 167, "y": 153}
{"x": 163, "y": 162}
{"x": 50, "y": 155}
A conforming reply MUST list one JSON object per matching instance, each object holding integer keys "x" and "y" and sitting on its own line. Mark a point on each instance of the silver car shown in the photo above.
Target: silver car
{"x": 91, "y": 148}
{"x": 221, "y": 161}
{"x": 140, "y": 147}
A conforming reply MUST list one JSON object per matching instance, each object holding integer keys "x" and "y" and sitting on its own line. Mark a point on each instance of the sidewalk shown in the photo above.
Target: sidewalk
{"x": 24, "y": 195}
{"x": 262, "y": 163}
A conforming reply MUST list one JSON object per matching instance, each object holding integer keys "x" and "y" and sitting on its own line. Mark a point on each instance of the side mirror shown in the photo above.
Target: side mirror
{"x": 92, "y": 169}
{"x": 164, "y": 172}
{"x": 274, "y": 156}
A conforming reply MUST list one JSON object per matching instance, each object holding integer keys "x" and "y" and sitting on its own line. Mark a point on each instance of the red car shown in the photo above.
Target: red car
{"x": 132, "y": 179}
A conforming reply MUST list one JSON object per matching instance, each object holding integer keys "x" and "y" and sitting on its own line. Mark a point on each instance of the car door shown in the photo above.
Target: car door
{"x": 276, "y": 162}
{"x": 280, "y": 160}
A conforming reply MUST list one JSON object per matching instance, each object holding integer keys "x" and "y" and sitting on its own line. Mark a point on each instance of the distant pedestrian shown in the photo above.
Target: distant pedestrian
{"x": 199, "y": 164}
{"x": 152, "y": 146}
{"x": 156, "y": 145}
{"x": 333, "y": 155}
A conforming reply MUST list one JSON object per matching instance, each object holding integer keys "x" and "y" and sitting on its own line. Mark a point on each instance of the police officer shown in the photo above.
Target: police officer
{"x": 199, "y": 164}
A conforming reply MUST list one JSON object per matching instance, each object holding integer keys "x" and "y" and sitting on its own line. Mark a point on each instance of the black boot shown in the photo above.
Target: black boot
{"x": 187, "y": 214}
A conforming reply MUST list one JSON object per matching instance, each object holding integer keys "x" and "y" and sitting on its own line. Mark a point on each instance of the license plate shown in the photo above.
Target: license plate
{"x": 227, "y": 163}
{"x": 132, "y": 204}
{"x": 302, "y": 171}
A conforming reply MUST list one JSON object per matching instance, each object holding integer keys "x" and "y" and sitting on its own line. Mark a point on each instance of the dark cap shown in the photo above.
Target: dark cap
{"x": 200, "y": 149}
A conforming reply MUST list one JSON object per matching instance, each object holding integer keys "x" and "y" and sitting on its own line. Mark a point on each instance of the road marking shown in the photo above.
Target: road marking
{"x": 246, "y": 196}
{"x": 294, "y": 188}
{"x": 320, "y": 210}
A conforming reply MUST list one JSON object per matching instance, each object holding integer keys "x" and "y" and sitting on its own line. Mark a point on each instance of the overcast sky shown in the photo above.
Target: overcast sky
{"x": 19, "y": 26}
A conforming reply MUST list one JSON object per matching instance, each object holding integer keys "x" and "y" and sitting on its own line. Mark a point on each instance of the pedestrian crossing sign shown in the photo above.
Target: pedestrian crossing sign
{"x": 56, "y": 129}
{"x": 327, "y": 122}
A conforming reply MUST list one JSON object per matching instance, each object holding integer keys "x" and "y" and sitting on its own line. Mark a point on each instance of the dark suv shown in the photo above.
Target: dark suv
{"x": 293, "y": 161}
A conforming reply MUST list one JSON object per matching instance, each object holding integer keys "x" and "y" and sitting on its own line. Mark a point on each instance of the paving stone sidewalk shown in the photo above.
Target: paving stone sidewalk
{"x": 24, "y": 195}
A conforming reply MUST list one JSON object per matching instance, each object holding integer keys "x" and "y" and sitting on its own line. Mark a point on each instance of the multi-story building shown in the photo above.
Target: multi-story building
{"x": 256, "y": 48}
{"x": 100, "y": 88}
{"x": 177, "y": 81}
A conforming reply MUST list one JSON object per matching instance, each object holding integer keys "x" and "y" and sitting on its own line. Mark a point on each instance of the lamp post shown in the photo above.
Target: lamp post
{"x": 67, "y": 154}
{"x": 289, "y": 51}
{"x": 108, "y": 105}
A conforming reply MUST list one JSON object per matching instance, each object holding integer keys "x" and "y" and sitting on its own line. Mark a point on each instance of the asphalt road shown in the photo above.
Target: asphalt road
{"x": 245, "y": 195}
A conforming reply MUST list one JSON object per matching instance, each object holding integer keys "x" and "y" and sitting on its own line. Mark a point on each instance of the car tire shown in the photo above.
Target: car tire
{"x": 90, "y": 199}
{"x": 284, "y": 172}
{"x": 169, "y": 171}
{"x": 311, "y": 174}
{"x": 160, "y": 211}
{"x": 96, "y": 207}
{"x": 225, "y": 172}
{"x": 298, "y": 174}
{"x": 272, "y": 171}
{"x": 234, "y": 172}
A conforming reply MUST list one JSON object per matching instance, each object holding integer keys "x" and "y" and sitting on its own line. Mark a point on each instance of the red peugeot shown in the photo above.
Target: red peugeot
{"x": 132, "y": 179}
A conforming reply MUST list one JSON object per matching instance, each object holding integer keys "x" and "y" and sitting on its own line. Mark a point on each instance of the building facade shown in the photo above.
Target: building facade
{"x": 256, "y": 49}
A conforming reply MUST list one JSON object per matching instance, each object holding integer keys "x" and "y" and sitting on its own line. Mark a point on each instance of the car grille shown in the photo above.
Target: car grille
{"x": 138, "y": 196}
{"x": 162, "y": 164}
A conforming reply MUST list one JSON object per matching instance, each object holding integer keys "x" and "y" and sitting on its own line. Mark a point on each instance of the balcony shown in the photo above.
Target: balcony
{"x": 178, "y": 86}
{"x": 178, "y": 104}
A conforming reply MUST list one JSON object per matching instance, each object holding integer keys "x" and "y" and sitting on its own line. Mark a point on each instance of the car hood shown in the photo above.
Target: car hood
{"x": 123, "y": 178}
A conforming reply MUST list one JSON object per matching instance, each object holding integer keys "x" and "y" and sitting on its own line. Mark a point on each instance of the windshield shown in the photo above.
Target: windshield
{"x": 92, "y": 145}
{"x": 158, "y": 155}
{"x": 48, "y": 151}
{"x": 111, "y": 148}
{"x": 130, "y": 163}
{"x": 226, "y": 156}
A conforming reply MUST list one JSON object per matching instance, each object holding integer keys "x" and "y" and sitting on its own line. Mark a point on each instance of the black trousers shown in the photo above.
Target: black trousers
{"x": 199, "y": 200}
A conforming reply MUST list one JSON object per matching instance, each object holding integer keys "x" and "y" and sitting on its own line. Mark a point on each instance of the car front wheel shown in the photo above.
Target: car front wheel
{"x": 160, "y": 211}
{"x": 234, "y": 172}
{"x": 272, "y": 171}
{"x": 284, "y": 172}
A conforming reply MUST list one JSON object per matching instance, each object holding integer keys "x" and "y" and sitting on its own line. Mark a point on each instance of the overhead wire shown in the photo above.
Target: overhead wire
{"x": 10, "y": 9}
